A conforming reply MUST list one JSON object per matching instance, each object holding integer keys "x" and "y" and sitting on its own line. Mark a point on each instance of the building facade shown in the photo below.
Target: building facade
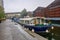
{"x": 30, "y": 14}
{"x": 1, "y": 6}
{"x": 10, "y": 15}
{"x": 51, "y": 11}
{"x": 1, "y": 3}
{"x": 39, "y": 12}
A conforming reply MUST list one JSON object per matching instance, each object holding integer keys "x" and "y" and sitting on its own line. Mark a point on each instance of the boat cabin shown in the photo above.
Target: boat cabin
{"x": 53, "y": 21}
{"x": 33, "y": 21}
{"x": 26, "y": 21}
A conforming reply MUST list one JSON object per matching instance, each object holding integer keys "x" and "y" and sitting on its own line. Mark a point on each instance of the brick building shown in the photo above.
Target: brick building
{"x": 39, "y": 12}
{"x": 53, "y": 10}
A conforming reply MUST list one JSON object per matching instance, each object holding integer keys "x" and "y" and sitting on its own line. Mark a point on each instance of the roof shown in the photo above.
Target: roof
{"x": 13, "y": 13}
{"x": 39, "y": 8}
{"x": 53, "y": 4}
{"x": 26, "y": 18}
{"x": 52, "y": 18}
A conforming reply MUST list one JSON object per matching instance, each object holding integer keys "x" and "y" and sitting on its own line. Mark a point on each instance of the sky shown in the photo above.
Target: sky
{"x": 19, "y": 5}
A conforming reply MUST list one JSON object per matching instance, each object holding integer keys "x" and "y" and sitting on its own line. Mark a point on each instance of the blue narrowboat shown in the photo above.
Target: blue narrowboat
{"x": 55, "y": 22}
{"x": 35, "y": 24}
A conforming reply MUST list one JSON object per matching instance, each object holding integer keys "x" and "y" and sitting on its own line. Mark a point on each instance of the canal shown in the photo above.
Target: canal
{"x": 50, "y": 36}
{"x": 53, "y": 34}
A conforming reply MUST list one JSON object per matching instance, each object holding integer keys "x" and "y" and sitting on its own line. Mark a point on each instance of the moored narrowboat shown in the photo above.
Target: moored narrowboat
{"x": 55, "y": 29}
{"x": 35, "y": 23}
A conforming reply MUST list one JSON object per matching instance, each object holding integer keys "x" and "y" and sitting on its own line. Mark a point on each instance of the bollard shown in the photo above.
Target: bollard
{"x": 0, "y": 21}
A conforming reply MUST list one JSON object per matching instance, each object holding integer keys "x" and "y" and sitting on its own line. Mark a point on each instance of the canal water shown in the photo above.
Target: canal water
{"x": 50, "y": 36}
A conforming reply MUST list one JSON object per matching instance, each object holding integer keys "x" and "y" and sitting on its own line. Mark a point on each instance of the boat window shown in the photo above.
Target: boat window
{"x": 55, "y": 21}
{"x": 21, "y": 21}
{"x": 27, "y": 22}
{"x": 38, "y": 20}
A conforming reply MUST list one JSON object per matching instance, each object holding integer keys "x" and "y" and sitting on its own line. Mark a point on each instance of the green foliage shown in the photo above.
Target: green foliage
{"x": 23, "y": 13}
{"x": 2, "y": 15}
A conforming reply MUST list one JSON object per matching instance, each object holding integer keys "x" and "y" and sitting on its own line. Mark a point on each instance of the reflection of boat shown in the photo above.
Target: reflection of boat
{"x": 35, "y": 23}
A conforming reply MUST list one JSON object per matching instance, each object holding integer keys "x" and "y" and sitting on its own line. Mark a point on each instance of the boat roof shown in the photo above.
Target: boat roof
{"x": 26, "y": 18}
{"x": 52, "y": 18}
{"x": 58, "y": 25}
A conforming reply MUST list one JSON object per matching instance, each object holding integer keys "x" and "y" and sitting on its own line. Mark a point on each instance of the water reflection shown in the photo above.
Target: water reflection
{"x": 50, "y": 36}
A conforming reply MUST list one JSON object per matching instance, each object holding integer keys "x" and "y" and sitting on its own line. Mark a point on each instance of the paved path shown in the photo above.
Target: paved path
{"x": 10, "y": 31}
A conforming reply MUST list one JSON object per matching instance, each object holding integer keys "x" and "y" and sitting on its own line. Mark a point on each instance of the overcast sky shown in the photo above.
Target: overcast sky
{"x": 19, "y": 5}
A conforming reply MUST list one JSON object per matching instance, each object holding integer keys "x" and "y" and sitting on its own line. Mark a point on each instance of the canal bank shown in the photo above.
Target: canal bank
{"x": 13, "y": 31}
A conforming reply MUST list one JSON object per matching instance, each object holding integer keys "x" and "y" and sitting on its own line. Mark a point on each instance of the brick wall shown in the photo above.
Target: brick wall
{"x": 39, "y": 13}
{"x": 54, "y": 12}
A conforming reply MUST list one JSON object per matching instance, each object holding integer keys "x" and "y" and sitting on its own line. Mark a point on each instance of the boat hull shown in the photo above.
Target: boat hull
{"x": 38, "y": 28}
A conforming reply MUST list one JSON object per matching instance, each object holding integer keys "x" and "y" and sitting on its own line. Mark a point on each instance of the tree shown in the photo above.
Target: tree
{"x": 23, "y": 13}
{"x": 2, "y": 15}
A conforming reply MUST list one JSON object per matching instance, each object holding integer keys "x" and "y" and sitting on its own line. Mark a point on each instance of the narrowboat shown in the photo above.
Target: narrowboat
{"x": 55, "y": 29}
{"x": 35, "y": 24}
